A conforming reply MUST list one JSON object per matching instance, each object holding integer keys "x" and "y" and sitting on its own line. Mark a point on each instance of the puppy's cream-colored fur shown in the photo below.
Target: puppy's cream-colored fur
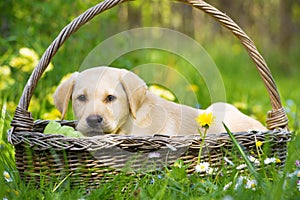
{"x": 111, "y": 100}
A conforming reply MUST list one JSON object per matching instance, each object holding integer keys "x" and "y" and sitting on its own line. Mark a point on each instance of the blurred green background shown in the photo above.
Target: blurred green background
{"x": 28, "y": 27}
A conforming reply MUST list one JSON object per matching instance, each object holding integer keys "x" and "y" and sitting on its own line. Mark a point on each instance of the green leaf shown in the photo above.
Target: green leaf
{"x": 52, "y": 128}
{"x": 69, "y": 132}
{"x": 55, "y": 128}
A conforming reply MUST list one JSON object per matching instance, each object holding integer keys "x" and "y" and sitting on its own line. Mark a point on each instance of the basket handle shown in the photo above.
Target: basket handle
{"x": 277, "y": 118}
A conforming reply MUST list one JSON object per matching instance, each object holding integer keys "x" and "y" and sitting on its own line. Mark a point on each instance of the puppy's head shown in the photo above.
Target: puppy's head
{"x": 102, "y": 98}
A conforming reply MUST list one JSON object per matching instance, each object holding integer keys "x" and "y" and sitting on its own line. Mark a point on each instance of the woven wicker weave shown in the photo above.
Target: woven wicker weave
{"x": 92, "y": 160}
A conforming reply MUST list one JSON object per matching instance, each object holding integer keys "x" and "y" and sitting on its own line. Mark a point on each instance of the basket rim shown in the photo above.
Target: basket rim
{"x": 276, "y": 118}
{"x": 154, "y": 142}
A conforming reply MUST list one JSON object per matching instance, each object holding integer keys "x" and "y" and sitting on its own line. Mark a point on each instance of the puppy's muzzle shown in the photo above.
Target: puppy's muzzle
{"x": 94, "y": 121}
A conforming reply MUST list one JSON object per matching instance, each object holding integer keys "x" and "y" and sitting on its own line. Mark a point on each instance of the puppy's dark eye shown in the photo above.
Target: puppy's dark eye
{"x": 110, "y": 98}
{"x": 82, "y": 98}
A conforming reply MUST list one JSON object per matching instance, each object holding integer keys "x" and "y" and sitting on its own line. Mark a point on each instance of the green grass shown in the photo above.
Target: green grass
{"x": 164, "y": 184}
{"x": 243, "y": 88}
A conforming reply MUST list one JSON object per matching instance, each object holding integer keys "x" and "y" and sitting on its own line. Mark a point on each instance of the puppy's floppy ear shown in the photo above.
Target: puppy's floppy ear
{"x": 135, "y": 89}
{"x": 63, "y": 94}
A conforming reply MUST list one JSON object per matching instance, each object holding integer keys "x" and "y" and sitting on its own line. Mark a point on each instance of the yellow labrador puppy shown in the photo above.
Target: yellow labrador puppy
{"x": 110, "y": 100}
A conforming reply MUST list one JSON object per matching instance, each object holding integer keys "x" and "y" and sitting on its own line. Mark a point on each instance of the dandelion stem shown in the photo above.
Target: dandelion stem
{"x": 258, "y": 148}
{"x": 201, "y": 145}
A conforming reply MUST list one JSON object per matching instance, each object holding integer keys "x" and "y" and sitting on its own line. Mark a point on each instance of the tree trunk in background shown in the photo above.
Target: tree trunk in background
{"x": 285, "y": 31}
{"x": 286, "y": 25}
{"x": 234, "y": 9}
{"x": 187, "y": 19}
{"x": 134, "y": 17}
{"x": 6, "y": 8}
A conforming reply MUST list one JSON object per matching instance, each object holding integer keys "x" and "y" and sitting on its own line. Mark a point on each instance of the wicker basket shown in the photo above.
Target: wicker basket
{"x": 90, "y": 161}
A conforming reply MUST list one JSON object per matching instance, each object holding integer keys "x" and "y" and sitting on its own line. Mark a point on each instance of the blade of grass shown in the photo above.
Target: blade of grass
{"x": 235, "y": 142}
{"x": 59, "y": 184}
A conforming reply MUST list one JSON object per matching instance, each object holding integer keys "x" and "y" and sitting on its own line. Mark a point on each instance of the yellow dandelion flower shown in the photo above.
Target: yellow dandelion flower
{"x": 205, "y": 119}
{"x": 258, "y": 143}
{"x": 278, "y": 160}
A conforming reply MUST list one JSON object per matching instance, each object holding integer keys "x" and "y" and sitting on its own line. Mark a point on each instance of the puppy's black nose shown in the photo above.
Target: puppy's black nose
{"x": 94, "y": 121}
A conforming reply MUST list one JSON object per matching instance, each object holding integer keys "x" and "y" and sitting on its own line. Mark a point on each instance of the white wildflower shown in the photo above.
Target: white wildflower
{"x": 248, "y": 183}
{"x": 202, "y": 167}
{"x": 254, "y": 160}
{"x": 7, "y": 176}
{"x": 251, "y": 184}
{"x": 269, "y": 160}
{"x": 251, "y": 158}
